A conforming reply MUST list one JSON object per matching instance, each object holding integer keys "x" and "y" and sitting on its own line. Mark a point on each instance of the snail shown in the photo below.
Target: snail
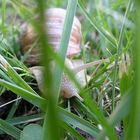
{"x": 68, "y": 89}
{"x": 54, "y": 24}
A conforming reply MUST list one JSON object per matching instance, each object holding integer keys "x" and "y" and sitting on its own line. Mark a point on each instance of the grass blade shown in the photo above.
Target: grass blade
{"x": 71, "y": 8}
{"x": 78, "y": 122}
{"x": 25, "y": 119}
{"x": 27, "y": 95}
{"x": 72, "y": 131}
{"x": 14, "y": 75}
{"x": 119, "y": 49}
{"x": 134, "y": 123}
{"x": 94, "y": 23}
{"x": 51, "y": 120}
{"x": 9, "y": 129}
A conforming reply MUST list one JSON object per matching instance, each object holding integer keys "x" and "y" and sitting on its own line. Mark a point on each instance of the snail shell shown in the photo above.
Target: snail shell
{"x": 55, "y": 18}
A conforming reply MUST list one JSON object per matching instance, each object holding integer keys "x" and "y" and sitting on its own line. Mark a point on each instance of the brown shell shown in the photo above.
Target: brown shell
{"x": 54, "y": 23}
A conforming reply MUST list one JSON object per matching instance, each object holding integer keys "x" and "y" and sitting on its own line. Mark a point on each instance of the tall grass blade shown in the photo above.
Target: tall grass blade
{"x": 134, "y": 123}
{"x": 119, "y": 49}
{"x": 71, "y": 8}
{"x": 94, "y": 23}
{"x": 51, "y": 122}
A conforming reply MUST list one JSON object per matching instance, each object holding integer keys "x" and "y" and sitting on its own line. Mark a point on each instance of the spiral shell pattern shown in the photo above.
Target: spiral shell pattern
{"x": 55, "y": 18}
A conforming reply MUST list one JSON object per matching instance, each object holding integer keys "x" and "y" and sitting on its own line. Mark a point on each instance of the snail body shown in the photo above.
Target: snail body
{"x": 68, "y": 89}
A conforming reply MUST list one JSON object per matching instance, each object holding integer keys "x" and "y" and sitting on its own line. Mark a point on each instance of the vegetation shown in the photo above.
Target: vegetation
{"x": 110, "y": 107}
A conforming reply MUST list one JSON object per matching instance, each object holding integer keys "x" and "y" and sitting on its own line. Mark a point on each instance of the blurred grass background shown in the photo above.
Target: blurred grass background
{"x": 111, "y": 98}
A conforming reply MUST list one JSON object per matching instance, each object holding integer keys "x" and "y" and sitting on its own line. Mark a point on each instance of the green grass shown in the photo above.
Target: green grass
{"x": 110, "y": 106}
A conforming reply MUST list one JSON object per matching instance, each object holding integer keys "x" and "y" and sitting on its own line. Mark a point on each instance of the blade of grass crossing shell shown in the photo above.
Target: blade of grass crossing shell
{"x": 58, "y": 71}
{"x": 50, "y": 124}
{"x": 71, "y": 8}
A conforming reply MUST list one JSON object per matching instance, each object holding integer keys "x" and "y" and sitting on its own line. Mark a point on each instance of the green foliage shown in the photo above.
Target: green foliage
{"x": 111, "y": 102}
{"x": 9, "y": 129}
